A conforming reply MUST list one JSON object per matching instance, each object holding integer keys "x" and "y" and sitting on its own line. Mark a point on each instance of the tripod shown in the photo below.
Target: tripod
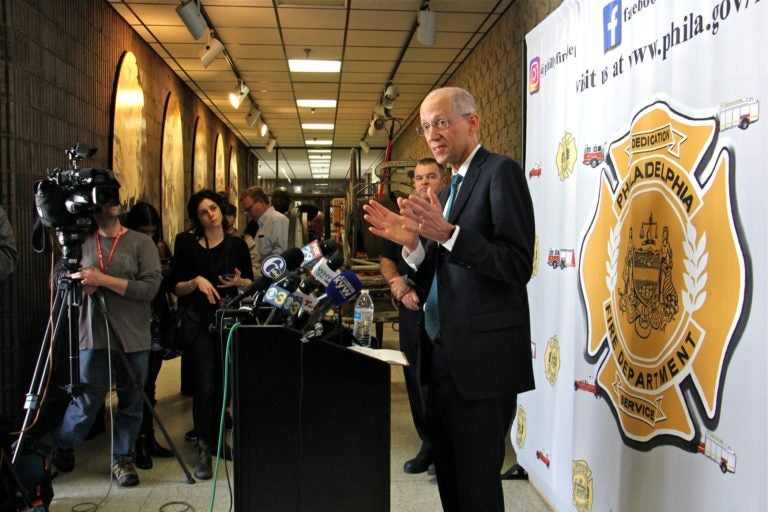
{"x": 68, "y": 299}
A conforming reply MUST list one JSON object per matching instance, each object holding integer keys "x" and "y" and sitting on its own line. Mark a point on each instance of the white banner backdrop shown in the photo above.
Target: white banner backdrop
{"x": 646, "y": 156}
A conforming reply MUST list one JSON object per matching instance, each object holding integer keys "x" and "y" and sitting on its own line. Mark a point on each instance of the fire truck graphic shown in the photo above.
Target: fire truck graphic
{"x": 741, "y": 113}
{"x": 561, "y": 258}
{"x": 535, "y": 171}
{"x": 715, "y": 449}
{"x": 586, "y": 385}
{"x": 593, "y": 155}
{"x": 543, "y": 457}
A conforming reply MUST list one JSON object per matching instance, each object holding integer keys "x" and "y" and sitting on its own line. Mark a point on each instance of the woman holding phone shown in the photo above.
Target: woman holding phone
{"x": 208, "y": 268}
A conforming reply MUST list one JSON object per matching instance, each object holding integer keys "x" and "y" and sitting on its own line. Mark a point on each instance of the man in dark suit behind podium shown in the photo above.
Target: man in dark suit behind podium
{"x": 476, "y": 262}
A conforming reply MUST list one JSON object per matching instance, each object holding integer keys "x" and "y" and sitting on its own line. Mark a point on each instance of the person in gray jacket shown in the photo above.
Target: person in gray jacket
{"x": 120, "y": 269}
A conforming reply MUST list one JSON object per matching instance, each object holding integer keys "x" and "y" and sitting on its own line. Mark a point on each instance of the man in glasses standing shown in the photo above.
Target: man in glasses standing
{"x": 472, "y": 248}
{"x": 267, "y": 226}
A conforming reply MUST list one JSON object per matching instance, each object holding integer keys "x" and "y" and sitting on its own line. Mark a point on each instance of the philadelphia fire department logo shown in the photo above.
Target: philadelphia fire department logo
{"x": 566, "y": 156}
{"x": 581, "y": 478}
{"x": 521, "y": 427}
{"x": 552, "y": 360}
{"x": 661, "y": 241}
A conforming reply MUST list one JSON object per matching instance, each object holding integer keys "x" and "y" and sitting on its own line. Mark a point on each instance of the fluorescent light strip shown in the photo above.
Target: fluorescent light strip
{"x": 319, "y": 157}
{"x": 314, "y": 66}
{"x": 318, "y": 151}
{"x": 327, "y": 142}
{"x": 317, "y": 126}
{"x": 316, "y": 103}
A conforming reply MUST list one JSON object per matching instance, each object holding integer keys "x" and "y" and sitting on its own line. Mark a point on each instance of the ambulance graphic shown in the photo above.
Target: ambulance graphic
{"x": 741, "y": 113}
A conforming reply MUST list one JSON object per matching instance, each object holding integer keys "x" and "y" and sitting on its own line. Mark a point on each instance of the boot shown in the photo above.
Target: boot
{"x": 203, "y": 469}
{"x": 156, "y": 450}
{"x": 143, "y": 457}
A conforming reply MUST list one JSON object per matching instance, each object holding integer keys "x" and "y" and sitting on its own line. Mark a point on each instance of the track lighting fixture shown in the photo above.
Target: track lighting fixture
{"x": 271, "y": 144}
{"x": 263, "y": 129}
{"x": 237, "y": 96}
{"x": 189, "y": 12}
{"x": 427, "y": 29}
{"x": 378, "y": 120}
{"x": 211, "y": 50}
{"x": 391, "y": 93}
{"x": 364, "y": 146}
{"x": 252, "y": 116}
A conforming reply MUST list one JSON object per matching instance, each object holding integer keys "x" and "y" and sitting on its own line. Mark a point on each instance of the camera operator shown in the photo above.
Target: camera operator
{"x": 120, "y": 268}
{"x": 8, "y": 253}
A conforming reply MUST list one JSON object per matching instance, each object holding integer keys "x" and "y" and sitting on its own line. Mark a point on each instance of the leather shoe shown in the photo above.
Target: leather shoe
{"x": 418, "y": 464}
{"x": 142, "y": 457}
{"x": 156, "y": 450}
{"x": 226, "y": 452}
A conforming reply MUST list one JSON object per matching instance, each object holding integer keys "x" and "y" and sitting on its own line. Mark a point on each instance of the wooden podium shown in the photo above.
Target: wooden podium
{"x": 311, "y": 424}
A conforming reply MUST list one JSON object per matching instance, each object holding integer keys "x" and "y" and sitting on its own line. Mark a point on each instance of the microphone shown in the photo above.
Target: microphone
{"x": 342, "y": 289}
{"x": 272, "y": 267}
{"x": 327, "y": 268}
{"x": 316, "y": 249}
{"x": 280, "y": 296}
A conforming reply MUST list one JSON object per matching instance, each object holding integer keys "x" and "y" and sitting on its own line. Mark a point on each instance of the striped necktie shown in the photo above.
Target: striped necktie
{"x": 431, "y": 314}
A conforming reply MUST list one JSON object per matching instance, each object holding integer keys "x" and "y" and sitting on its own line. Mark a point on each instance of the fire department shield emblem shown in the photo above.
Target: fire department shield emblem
{"x": 661, "y": 240}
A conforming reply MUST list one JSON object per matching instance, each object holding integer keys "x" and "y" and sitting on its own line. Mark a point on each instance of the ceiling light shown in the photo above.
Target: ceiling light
{"x": 378, "y": 120}
{"x": 263, "y": 129}
{"x": 316, "y": 103}
{"x": 391, "y": 93}
{"x": 427, "y": 30}
{"x": 237, "y": 96}
{"x": 189, "y": 12}
{"x": 211, "y": 50}
{"x": 364, "y": 146}
{"x": 317, "y": 126}
{"x": 318, "y": 151}
{"x": 316, "y": 142}
{"x": 271, "y": 144}
{"x": 314, "y": 66}
{"x": 252, "y": 117}
{"x": 319, "y": 157}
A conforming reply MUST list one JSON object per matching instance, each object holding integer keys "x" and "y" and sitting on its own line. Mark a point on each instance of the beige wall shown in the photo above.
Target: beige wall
{"x": 494, "y": 73}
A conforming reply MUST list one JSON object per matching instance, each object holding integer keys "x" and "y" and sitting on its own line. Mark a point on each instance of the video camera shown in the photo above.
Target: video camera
{"x": 67, "y": 199}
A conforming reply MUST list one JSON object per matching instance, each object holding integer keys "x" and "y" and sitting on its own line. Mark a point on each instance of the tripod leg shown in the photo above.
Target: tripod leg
{"x": 43, "y": 365}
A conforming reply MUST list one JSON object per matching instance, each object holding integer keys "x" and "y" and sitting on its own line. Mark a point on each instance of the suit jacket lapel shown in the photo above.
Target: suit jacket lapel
{"x": 467, "y": 184}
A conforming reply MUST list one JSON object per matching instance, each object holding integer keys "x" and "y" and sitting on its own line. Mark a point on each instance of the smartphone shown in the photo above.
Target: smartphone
{"x": 228, "y": 276}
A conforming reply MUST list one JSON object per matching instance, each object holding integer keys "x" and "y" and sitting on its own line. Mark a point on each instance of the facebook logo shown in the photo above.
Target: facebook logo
{"x": 611, "y": 25}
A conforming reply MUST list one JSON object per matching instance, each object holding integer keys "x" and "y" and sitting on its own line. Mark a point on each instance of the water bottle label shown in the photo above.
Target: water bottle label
{"x": 358, "y": 315}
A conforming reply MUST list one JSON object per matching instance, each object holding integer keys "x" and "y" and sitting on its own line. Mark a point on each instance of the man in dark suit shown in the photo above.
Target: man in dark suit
{"x": 476, "y": 263}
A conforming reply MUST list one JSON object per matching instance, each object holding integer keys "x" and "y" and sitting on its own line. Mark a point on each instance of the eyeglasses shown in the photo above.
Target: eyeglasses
{"x": 248, "y": 208}
{"x": 439, "y": 124}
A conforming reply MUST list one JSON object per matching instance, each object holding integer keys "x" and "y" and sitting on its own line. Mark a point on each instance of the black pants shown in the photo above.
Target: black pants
{"x": 468, "y": 442}
{"x": 410, "y": 339}
{"x": 205, "y": 362}
{"x": 155, "y": 363}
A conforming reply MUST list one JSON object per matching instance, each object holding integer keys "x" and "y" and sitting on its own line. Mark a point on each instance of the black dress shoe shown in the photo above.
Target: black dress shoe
{"x": 142, "y": 458}
{"x": 158, "y": 451}
{"x": 418, "y": 464}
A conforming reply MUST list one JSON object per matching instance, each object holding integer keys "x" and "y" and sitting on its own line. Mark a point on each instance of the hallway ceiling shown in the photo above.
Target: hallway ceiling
{"x": 375, "y": 40}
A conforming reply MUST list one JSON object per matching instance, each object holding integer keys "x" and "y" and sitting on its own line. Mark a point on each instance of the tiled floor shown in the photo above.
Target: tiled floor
{"x": 164, "y": 487}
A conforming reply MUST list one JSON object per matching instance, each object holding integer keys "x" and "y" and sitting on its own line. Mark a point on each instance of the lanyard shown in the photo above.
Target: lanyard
{"x": 111, "y": 251}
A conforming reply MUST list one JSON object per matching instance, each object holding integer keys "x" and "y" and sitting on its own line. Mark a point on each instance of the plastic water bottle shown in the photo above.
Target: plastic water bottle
{"x": 363, "y": 319}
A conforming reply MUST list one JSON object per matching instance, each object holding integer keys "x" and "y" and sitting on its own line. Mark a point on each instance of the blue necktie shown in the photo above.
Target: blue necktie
{"x": 431, "y": 314}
